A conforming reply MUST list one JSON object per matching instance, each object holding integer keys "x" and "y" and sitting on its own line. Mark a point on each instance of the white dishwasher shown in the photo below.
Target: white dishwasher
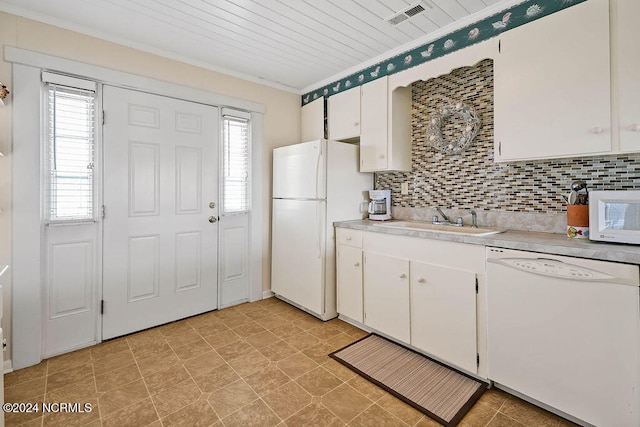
{"x": 566, "y": 332}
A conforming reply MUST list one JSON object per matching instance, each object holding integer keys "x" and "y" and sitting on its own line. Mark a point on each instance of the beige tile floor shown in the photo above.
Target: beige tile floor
{"x": 258, "y": 364}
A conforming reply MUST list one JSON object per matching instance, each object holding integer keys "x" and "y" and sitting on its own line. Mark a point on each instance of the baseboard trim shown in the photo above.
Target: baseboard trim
{"x": 267, "y": 294}
{"x": 7, "y": 366}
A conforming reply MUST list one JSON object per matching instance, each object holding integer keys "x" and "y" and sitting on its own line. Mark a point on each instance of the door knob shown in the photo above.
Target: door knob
{"x": 402, "y": 275}
{"x": 213, "y": 219}
{"x": 421, "y": 280}
{"x": 357, "y": 264}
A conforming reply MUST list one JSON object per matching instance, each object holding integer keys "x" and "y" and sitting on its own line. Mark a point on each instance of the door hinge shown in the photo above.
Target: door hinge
{"x": 476, "y": 284}
{"x": 499, "y": 148}
{"x": 101, "y": 306}
{"x": 477, "y": 359}
{"x": 102, "y": 212}
{"x": 499, "y": 46}
{"x": 102, "y": 117}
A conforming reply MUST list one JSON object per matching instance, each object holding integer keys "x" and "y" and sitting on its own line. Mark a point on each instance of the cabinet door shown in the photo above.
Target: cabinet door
{"x": 374, "y": 127}
{"x": 552, "y": 86}
{"x": 344, "y": 115}
{"x": 312, "y": 120}
{"x": 628, "y": 75}
{"x": 386, "y": 295}
{"x": 349, "y": 282}
{"x": 443, "y": 313}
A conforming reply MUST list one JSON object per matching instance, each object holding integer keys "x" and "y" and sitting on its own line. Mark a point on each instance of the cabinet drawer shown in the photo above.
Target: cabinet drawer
{"x": 346, "y": 236}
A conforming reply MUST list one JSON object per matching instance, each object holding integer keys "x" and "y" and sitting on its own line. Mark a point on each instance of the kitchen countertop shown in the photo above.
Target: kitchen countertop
{"x": 548, "y": 243}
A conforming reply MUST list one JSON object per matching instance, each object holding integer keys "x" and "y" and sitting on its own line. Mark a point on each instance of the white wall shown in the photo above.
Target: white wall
{"x": 281, "y": 122}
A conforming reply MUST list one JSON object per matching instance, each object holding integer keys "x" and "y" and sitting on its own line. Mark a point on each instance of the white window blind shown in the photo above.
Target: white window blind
{"x": 70, "y": 152}
{"x": 235, "y": 155}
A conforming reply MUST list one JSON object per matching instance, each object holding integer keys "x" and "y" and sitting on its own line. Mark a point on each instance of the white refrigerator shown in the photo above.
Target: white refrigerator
{"x": 314, "y": 184}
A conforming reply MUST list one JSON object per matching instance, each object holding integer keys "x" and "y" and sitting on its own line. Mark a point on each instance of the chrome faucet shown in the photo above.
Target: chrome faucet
{"x": 445, "y": 219}
{"x": 474, "y": 219}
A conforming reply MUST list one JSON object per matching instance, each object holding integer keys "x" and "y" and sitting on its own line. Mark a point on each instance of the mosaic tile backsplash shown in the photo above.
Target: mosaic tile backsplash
{"x": 471, "y": 180}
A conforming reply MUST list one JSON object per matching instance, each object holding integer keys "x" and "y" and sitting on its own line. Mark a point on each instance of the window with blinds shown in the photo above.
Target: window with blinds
{"x": 71, "y": 141}
{"x": 235, "y": 154}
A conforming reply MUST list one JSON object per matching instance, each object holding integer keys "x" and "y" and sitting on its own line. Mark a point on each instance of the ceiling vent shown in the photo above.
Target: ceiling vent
{"x": 406, "y": 13}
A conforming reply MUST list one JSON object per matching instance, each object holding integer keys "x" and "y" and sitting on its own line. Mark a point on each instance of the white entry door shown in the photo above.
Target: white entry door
{"x": 160, "y": 198}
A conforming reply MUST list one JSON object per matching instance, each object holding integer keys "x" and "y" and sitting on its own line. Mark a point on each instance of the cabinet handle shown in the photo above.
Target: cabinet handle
{"x": 402, "y": 276}
{"x": 348, "y": 238}
{"x": 634, "y": 128}
{"x": 356, "y": 123}
{"x": 596, "y": 130}
{"x": 421, "y": 280}
{"x": 357, "y": 264}
{"x": 381, "y": 156}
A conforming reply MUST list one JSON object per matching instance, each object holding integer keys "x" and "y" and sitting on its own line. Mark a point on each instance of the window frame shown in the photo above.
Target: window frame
{"x": 238, "y": 116}
{"x": 73, "y": 86}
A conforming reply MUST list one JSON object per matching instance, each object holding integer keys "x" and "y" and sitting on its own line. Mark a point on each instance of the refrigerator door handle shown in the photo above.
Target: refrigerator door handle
{"x": 318, "y": 230}
{"x": 318, "y": 158}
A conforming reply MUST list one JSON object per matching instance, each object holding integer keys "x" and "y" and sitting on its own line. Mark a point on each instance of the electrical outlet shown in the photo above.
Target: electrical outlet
{"x": 404, "y": 188}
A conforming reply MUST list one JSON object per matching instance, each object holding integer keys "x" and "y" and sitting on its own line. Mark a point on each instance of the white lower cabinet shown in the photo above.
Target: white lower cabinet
{"x": 386, "y": 295}
{"x": 443, "y": 313}
{"x": 426, "y": 293}
{"x": 349, "y": 279}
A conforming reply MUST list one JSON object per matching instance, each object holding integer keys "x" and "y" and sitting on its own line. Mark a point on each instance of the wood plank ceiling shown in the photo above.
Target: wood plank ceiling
{"x": 290, "y": 44}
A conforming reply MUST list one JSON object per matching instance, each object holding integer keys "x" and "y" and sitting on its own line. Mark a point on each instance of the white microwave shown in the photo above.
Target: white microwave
{"x": 614, "y": 216}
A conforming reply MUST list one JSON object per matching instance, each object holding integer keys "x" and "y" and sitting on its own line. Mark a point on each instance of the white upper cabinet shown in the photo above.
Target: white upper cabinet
{"x": 375, "y": 125}
{"x": 385, "y": 130}
{"x": 312, "y": 121}
{"x": 344, "y": 115}
{"x": 377, "y": 117}
{"x": 552, "y": 86}
{"x": 628, "y": 66}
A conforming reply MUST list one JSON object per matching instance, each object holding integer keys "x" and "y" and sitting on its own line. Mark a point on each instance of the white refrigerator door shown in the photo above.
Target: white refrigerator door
{"x": 299, "y": 171}
{"x": 298, "y": 252}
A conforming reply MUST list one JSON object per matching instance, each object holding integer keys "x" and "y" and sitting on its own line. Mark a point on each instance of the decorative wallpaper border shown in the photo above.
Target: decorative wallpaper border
{"x": 490, "y": 27}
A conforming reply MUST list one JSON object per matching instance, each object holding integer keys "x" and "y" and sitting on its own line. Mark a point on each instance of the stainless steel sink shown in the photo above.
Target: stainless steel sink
{"x": 439, "y": 228}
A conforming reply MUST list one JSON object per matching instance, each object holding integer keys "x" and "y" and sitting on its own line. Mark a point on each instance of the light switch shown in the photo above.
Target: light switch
{"x": 404, "y": 188}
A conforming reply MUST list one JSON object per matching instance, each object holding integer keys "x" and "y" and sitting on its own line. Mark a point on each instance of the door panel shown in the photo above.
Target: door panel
{"x": 187, "y": 260}
{"x": 143, "y": 264}
{"x": 443, "y": 313}
{"x": 144, "y": 179}
{"x": 349, "y": 283}
{"x": 70, "y": 311}
{"x": 188, "y": 180}
{"x": 374, "y": 126}
{"x": 160, "y": 250}
{"x": 386, "y": 295}
{"x": 234, "y": 267}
